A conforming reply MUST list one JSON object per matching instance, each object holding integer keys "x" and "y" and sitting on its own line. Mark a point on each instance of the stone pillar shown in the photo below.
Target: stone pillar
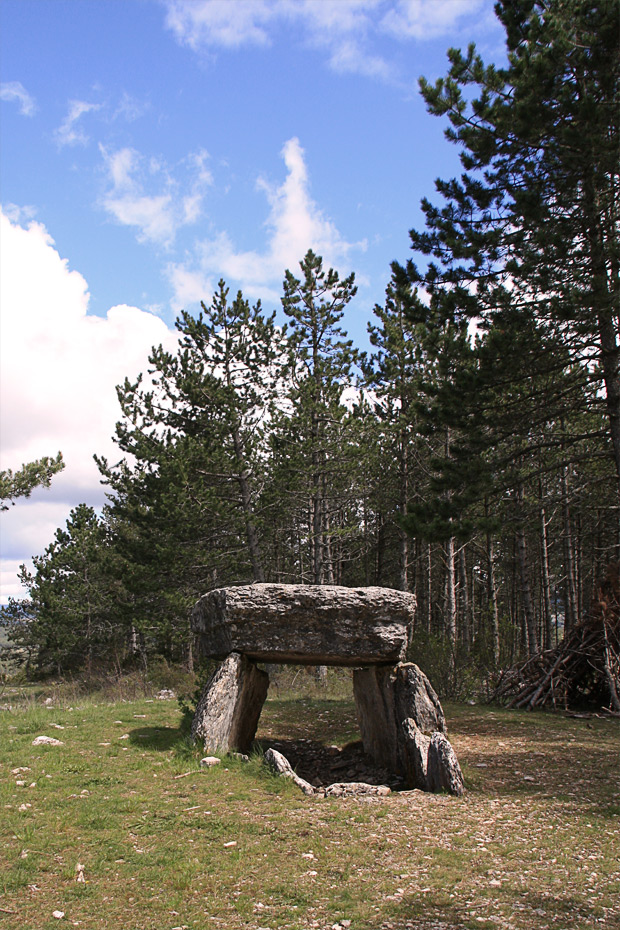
{"x": 229, "y": 708}
{"x": 385, "y": 695}
{"x": 403, "y": 726}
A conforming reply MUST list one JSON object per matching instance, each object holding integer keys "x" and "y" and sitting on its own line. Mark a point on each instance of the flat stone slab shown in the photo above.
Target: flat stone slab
{"x": 306, "y": 624}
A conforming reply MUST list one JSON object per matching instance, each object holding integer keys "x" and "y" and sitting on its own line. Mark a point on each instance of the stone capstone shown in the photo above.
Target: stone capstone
{"x": 305, "y": 624}
{"x": 229, "y": 708}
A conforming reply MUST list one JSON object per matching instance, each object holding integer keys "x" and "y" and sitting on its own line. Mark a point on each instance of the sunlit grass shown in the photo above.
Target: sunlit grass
{"x": 533, "y": 844}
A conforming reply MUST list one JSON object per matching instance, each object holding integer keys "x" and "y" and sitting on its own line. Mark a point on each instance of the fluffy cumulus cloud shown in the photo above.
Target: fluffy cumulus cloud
{"x": 295, "y": 224}
{"x": 59, "y": 367}
{"x": 145, "y": 194}
{"x": 343, "y": 29}
{"x": 15, "y": 92}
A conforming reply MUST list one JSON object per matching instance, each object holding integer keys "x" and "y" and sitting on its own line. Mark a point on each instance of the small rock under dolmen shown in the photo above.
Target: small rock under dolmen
{"x": 305, "y": 624}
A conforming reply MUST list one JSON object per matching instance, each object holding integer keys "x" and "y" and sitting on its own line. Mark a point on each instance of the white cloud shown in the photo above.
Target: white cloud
{"x": 295, "y": 224}
{"x": 69, "y": 133}
{"x": 338, "y": 26}
{"x": 59, "y": 366}
{"x": 189, "y": 286}
{"x": 218, "y": 23}
{"x": 344, "y": 29}
{"x": 14, "y": 91}
{"x": 156, "y": 216}
{"x": 130, "y": 108}
{"x": 426, "y": 19}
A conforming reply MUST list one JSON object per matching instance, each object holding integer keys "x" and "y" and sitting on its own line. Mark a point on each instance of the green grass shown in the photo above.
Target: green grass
{"x": 533, "y": 844}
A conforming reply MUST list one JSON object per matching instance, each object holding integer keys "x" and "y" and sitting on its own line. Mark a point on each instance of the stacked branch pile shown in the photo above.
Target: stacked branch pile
{"x": 583, "y": 670}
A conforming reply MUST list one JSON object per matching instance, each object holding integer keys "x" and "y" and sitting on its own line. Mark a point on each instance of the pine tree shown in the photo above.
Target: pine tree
{"x": 393, "y": 375}
{"x": 532, "y": 224}
{"x": 186, "y": 507}
{"x": 71, "y": 621}
{"x": 313, "y": 438}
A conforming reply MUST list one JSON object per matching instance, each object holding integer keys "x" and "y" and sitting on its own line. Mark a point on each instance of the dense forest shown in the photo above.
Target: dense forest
{"x": 472, "y": 456}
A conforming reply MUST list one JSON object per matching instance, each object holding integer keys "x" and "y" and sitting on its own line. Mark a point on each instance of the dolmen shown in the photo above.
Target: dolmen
{"x": 367, "y": 629}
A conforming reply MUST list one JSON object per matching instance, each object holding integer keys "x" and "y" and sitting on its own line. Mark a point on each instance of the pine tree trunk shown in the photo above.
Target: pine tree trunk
{"x": 466, "y": 623}
{"x": 317, "y": 507}
{"x": 570, "y": 606}
{"x": 328, "y": 558}
{"x": 404, "y": 496}
{"x": 524, "y": 576}
{"x": 606, "y": 315}
{"x": 450, "y": 597}
{"x": 492, "y": 599}
{"x": 545, "y": 578}
{"x": 380, "y": 548}
{"x": 429, "y": 588}
{"x": 246, "y": 503}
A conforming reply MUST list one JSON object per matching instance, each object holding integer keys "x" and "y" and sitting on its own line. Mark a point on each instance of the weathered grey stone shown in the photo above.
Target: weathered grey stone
{"x": 306, "y": 624}
{"x": 227, "y": 714}
{"x": 46, "y": 741}
{"x": 355, "y": 789}
{"x": 415, "y": 755}
{"x": 444, "y": 771}
{"x": 415, "y": 697}
{"x": 387, "y": 695}
{"x": 430, "y": 762}
{"x": 280, "y": 764}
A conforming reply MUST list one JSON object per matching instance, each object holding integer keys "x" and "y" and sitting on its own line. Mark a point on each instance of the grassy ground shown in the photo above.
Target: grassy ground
{"x": 533, "y": 844}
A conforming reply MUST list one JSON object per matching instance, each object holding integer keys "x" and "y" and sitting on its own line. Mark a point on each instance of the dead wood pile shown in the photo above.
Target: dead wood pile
{"x": 583, "y": 670}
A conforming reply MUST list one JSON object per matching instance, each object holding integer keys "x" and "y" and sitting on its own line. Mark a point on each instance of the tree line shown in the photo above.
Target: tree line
{"x": 472, "y": 456}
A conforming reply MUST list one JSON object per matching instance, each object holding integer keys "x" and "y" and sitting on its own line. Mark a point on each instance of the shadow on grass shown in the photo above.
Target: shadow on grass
{"x": 160, "y": 739}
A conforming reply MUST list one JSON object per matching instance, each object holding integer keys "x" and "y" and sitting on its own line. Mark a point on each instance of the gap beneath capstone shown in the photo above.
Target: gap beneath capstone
{"x": 325, "y": 745}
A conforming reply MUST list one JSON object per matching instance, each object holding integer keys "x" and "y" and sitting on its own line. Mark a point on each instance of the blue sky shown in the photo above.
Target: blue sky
{"x": 150, "y": 147}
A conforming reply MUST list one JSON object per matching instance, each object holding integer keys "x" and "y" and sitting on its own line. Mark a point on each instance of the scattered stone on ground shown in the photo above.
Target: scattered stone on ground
{"x": 427, "y": 923}
{"x": 354, "y": 787}
{"x": 166, "y": 695}
{"x": 280, "y": 764}
{"x": 46, "y": 741}
{"x": 209, "y": 762}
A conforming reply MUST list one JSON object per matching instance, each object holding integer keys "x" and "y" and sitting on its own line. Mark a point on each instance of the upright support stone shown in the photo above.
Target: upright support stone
{"x": 385, "y": 695}
{"x": 229, "y": 708}
{"x": 430, "y": 763}
{"x": 397, "y": 707}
